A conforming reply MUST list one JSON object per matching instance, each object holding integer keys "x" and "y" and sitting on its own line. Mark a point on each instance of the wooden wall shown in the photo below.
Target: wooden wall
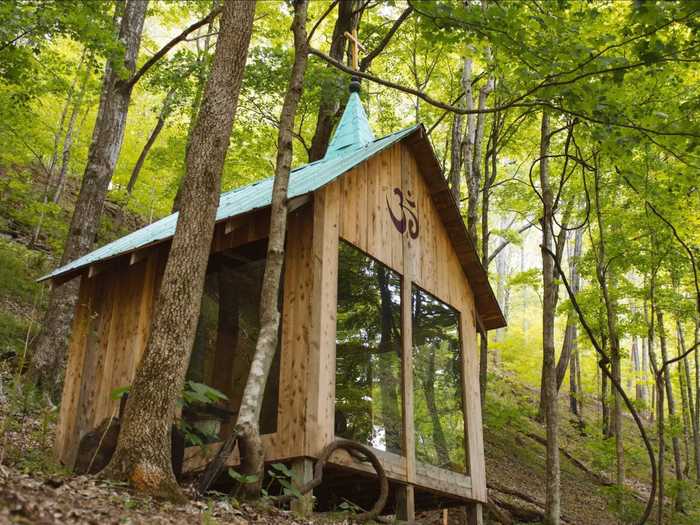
{"x": 116, "y": 305}
{"x": 355, "y": 207}
{"x": 111, "y": 328}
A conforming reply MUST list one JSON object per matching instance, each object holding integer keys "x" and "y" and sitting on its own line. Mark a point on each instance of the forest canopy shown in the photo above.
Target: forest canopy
{"x": 568, "y": 132}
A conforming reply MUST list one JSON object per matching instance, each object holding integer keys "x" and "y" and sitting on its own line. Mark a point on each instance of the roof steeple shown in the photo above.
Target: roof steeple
{"x": 353, "y": 131}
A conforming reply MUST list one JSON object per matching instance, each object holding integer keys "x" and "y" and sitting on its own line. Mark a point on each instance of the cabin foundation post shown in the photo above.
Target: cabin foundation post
{"x": 475, "y": 514}
{"x": 303, "y": 471}
{"x": 405, "y": 503}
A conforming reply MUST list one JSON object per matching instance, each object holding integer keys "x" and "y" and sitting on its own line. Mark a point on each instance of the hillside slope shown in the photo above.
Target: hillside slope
{"x": 34, "y": 489}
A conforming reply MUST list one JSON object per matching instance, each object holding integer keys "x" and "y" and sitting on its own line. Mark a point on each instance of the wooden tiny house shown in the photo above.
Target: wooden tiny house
{"x": 382, "y": 298}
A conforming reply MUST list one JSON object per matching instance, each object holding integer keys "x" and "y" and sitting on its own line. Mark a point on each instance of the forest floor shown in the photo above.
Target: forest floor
{"x": 34, "y": 489}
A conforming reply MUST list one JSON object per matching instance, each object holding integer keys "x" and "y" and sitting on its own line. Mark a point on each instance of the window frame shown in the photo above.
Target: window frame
{"x": 407, "y": 456}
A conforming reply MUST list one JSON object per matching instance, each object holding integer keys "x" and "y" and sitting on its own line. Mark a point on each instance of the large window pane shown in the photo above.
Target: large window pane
{"x": 437, "y": 383}
{"x": 368, "y": 352}
{"x": 227, "y": 331}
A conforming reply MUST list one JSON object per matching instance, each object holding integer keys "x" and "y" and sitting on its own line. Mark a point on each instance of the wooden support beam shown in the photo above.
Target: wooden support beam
{"x": 320, "y": 401}
{"x": 405, "y": 503}
{"x": 93, "y": 270}
{"x": 475, "y": 514}
{"x": 303, "y": 469}
{"x": 138, "y": 256}
{"x": 410, "y": 258}
{"x": 297, "y": 202}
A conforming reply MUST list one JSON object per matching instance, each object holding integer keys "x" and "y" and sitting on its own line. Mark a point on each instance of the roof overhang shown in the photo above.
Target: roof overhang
{"x": 487, "y": 307}
{"x": 416, "y": 138}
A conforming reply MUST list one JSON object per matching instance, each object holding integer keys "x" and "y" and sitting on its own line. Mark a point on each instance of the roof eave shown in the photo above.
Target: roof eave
{"x": 487, "y": 306}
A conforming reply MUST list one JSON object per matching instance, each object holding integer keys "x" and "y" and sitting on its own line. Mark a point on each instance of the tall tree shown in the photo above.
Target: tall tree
{"x": 603, "y": 272}
{"x": 553, "y": 474}
{"x": 675, "y": 440}
{"x": 143, "y": 454}
{"x": 330, "y": 105}
{"x": 120, "y": 77}
{"x": 266, "y": 345}
{"x": 48, "y": 359}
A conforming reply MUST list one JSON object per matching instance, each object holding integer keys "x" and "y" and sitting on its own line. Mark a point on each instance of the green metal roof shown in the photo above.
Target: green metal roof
{"x": 352, "y": 144}
{"x": 353, "y": 129}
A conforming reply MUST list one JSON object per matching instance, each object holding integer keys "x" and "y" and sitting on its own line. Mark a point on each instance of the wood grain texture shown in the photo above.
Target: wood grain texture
{"x": 320, "y": 401}
{"x": 296, "y": 326}
{"x": 432, "y": 262}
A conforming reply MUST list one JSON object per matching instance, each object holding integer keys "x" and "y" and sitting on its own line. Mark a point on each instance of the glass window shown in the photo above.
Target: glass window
{"x": 437, "y": 383}
{"x": 225, "y": 340}
{"x": 368, "y": 405}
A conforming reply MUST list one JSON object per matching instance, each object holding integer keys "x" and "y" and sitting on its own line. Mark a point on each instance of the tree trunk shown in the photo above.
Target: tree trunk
{"x": 689, "y": 404}
{"x": 605, "y": 408}
{"x": 658, "y": 380}
{"x": 696, "y": 421}
{"x": 468, "y": 151}
{"x": 675, "y": 440}
{"x": 602, "y": 272}
{"x": 685, "y": 409}
{"x": 48, "y": 360}
{"x": 143, "y": 450}
{"x": 575, "y": 378}
{"x": 455, "y": 178}
{"x": 201, "y": 69}
{"x": 68, "y": 140}
{"x": 266, "y": 345}
{"x": 553, "y": 505}
{"x": 644, "y": 387}
{"x": 329, "y": 108}
{"x": 476, "y": 178}
{"x": 637, "y": 369}
{"x": 570, "y": 333}
{"x": 164, "y": 113}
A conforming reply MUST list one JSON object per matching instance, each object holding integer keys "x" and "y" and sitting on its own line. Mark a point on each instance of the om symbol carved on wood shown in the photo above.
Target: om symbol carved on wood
{"x": 406, "y": 204}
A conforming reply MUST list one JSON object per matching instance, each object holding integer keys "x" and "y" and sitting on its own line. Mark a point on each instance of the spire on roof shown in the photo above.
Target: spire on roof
{"x": 353, "y": 131}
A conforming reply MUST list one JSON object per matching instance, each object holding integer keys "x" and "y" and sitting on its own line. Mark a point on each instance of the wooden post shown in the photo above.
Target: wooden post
{"x": 320, "y": 402}
{"x": 474, "y": 514}
{"x": 405, "y": 503}
{"x": 355, "y": 46}
{"x": 303, "y": 470}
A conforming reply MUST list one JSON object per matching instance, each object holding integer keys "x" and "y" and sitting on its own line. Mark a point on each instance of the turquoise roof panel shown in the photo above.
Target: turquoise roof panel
{"x": 304, "y": 179}
{"x": 353, "y": 130}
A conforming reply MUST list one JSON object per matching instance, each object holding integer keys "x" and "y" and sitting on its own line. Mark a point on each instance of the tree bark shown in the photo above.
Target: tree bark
{"x": 696, "y": 420}
{"x": 602, "y": 269}
{"x": 160, "y": 123}
{"x": 476, "y": 190}
{"x": 202, "y": 65}
{"x": 570, "y": 334}
{"x": 553, "y": 504}
{"x": 249, "y": 413}
{"x": 468, "y": 151}
{"x": 68, "y": 140}
{"x": 143, "y": 451}
{"x": 685, "y": 410}
{"x": 48, "y": 360}
{"x": 329, "y": 108}
{"x": 455, "y": 178}
{"x": 675, "y": 440}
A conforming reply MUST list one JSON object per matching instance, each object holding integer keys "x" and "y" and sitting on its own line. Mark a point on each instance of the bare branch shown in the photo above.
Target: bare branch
{"x": 505, "y": 243}
{"x": 167, "y": 47}
{"x": 320, "y": 19}
{"x": 367, "y": 60}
